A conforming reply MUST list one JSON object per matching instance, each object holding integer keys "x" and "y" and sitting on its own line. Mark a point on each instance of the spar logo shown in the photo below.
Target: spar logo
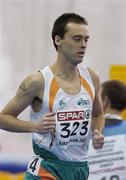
{"x": 73, "y": 115}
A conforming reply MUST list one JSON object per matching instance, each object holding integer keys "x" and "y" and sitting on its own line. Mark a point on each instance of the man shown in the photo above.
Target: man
{"x": 65, "y": 106}
{"x": 111, "y": 160}
{"x": 113, "y": 95}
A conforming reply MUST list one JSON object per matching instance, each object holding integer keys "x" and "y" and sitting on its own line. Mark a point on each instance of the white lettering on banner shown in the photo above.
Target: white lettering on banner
{"x": 109, "y": 163}
{"x": 72, "y": 127}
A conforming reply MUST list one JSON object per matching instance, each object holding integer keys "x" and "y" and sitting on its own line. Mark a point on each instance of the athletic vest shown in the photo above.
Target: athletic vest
{"x": 73, "y": 118}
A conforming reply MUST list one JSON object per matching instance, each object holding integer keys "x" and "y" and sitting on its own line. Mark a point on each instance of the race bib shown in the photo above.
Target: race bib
{"x": 72, "y": 127}
{"x": 34, "y": 165}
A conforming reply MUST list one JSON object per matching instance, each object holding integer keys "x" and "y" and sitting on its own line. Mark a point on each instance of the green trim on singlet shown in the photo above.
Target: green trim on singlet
{"x": 43, "y": 153}
{"x": 50, "y": 157}
{"x": 62, "y": 170}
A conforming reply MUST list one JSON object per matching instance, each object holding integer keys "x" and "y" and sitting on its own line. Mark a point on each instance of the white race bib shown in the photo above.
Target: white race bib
{"x": 34, "y": 165}
{"x": 72, "y": 127}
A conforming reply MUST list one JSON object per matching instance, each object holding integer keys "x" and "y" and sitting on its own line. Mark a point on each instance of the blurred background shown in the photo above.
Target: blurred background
{"x": 26, "y": 46}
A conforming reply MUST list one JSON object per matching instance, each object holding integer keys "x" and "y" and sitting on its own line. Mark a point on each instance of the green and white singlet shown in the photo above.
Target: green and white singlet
{"x": 73, "y": 118}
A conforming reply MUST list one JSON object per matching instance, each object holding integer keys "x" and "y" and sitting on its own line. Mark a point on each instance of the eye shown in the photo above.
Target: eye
{"x": 77, "y": 38}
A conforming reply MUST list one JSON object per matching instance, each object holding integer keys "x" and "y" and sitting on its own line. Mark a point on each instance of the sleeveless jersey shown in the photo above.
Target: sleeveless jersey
{"x": 73, "y": 118}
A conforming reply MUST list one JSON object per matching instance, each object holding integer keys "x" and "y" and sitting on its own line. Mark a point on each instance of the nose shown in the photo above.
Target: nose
{"x": 83, "y": 44}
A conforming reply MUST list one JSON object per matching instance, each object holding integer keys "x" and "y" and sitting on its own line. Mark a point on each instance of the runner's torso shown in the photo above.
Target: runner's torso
{"x": 73, "y": 117}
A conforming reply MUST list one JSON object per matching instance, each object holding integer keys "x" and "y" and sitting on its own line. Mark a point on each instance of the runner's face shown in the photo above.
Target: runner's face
{"x": 73, "y": 45}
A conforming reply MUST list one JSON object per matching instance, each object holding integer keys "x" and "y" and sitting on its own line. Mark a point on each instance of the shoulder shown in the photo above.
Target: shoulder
{"x": 32, "y": 83}
{"x": 94, "y": 74}
{"x": 95, "y": 77}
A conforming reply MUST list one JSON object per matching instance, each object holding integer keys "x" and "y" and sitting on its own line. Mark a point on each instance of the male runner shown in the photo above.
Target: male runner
{"x": 65, "y": 105}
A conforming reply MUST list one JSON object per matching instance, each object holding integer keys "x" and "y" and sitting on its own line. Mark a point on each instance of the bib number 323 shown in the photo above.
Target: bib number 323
{"x": 72, "y": 127}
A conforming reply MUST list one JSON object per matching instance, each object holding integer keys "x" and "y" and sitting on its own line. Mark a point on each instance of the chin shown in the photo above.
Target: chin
{"x": 75, "y": 63}
{"x": 80, "y": 60}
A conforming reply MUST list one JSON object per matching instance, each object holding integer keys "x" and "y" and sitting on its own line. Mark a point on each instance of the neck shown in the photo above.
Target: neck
{"x": 64, "y": 69}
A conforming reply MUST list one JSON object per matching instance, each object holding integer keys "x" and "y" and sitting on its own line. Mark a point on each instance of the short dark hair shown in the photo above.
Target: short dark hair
{"x": 59, "y": 27}
{"x": 116, "y": 92}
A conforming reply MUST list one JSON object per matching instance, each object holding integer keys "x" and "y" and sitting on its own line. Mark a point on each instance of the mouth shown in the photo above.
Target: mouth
{"x": 81, "y": 53}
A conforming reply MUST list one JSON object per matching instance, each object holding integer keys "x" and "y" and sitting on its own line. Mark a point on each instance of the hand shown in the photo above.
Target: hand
{"x": 97, "y": 140}
{"x": 47, "y": 124}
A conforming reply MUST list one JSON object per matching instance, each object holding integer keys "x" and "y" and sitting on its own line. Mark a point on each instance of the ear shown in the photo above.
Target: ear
{"x": 57, "y": 40}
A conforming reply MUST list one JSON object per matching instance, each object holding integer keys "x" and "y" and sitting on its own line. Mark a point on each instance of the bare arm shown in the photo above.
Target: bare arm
{"x": 27, "y": 91}
{"x": 98, "y": 119}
